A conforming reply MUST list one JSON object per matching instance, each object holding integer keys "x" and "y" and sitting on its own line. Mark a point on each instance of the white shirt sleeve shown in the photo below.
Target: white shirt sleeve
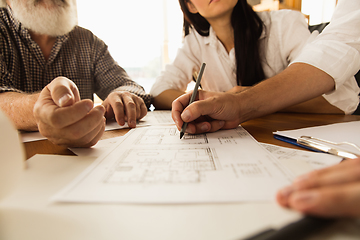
{"x": 294, "y": 32}
{"x": 336, "y": 51}
{"x": 286, "y": 34}
{"x": 178, "y": 74}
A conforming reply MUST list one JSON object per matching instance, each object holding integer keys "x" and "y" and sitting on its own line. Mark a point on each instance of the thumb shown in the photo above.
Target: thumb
{"x": 63, "y": 92}
{"x": 197, "y": 109}
{"x": 208, "y": 104}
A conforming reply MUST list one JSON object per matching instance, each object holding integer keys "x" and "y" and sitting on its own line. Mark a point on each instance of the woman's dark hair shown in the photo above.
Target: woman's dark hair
{"x": 247, "y": 27}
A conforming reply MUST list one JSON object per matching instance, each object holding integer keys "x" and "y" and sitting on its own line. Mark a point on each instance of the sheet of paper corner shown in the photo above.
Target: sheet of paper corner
{"x": 337, "y": 132}
{"x": 150, "y": 119}
{"x": 291, "y": 158}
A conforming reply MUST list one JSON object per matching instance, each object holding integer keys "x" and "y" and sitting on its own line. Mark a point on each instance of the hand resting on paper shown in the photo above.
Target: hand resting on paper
{"x": 65, "y": 119}
{"x": 124, "y": 106}
{"x": 329, "y": 192}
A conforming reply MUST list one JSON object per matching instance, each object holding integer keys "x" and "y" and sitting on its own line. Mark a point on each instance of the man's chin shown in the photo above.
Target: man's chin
{"x": 52, "y": 33}
{"x": 53, "y": 22}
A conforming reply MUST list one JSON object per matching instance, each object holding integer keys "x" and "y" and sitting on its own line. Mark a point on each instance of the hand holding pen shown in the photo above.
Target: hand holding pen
{"x": 193, "y": 95}
{"x": 211, "y": 112}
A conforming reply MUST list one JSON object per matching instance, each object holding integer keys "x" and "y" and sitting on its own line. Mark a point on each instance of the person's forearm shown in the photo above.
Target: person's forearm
{"x": 165, "y": 99}
{"x": 316, "y": 105}
{"x": 19, "y": 108}
{"x": 237, "y": 89}
{"x": 298, "y": 83}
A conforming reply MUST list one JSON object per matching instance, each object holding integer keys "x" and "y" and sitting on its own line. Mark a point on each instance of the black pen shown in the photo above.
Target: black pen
{"x": 198, "y": 80}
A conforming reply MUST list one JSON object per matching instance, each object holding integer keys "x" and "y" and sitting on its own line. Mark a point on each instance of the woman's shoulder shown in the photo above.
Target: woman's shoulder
{"x": 283, "y": 16}
{"x": 287, "y": 14}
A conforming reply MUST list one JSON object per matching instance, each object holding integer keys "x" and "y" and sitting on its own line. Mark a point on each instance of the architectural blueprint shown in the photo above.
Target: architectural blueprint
{"x": 153, "y": 165}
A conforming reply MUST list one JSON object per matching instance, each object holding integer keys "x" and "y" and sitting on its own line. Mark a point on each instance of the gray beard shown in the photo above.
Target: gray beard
{"x": 57, "y": 18}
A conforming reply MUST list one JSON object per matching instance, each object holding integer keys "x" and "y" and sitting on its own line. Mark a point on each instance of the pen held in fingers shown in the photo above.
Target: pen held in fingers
{"x": 181, "y": 134}
{"x": 193, "y": 95}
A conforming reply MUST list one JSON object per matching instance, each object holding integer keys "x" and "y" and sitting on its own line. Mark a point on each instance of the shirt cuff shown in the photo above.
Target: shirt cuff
{"x": 9, "y": 89}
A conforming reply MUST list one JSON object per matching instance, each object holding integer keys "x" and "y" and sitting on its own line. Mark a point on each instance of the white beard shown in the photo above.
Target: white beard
{"x": 49, "y": 17}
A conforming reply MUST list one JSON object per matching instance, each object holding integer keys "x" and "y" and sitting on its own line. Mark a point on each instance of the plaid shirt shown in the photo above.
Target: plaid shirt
{"x": 79, "y": 56}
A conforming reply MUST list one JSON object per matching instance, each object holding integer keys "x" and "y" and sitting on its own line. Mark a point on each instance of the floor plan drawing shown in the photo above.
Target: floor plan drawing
{"x": 153, "y": 165}
{"x": 168, "y": 136}
{"x": 163, "y": 117}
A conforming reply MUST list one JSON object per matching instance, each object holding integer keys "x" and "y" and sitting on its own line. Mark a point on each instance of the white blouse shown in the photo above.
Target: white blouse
{"x": 285, "y": 34}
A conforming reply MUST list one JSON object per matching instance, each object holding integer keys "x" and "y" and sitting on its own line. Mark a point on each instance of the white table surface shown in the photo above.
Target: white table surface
{"x": 27, "y": 213}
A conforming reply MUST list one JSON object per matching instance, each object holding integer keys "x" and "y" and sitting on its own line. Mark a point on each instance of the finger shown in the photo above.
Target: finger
{"x": 109, "y": 113}
{"x": 204, "y": 127}
{"x": 199, "y": 108}
{"x": 178, "y": 105}
{"x": 63, "y": 91}
{"x": 116, "y": 103}
{"x": 100, "y": 131}
{"x": 331, "y": 201}
{"x": 130, "y": 109}
{"x": 282, "y": 196}
{"x": 138, "y": 103}
{"x": 201, "y": 127}
{"x": 212, "y": 126}
{"x": 92, "y": 137}
{"x": 143, "y": 110}
{"x": 347, "y": 171}
{"x": 88, "y": 140}
{"x": 81, "y": 132}
{"x": 190, "y": 128}
{"x": 65, "y": 116}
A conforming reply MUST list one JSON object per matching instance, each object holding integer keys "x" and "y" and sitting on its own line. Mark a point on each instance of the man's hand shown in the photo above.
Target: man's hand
{"x": 211, "y": 112}
{"x": 65, "y": 119}
{"x": 329, "y": 192}
{"x": 124, "y": 107}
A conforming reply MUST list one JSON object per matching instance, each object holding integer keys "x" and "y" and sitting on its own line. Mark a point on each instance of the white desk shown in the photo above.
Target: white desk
{"x": 27, "y": 213}
{"x": 29, "y": 210}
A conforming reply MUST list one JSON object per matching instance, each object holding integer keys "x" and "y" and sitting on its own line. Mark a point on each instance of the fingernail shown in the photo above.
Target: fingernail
{"x": 133, "y": 123}
{"x": 102, "y": 109}
{"x": 186, "y": 115}
{"x": 286, "y": 191}
{"x": 204, "y": 128}
{"x": 305, "y": 197}
{"x": 176, "y": 122}
{"x": 89, "y": 106}
{"x": 301, "y": 178}
{"x": 221, "y": 123}
{"x": 64, "y": 99}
